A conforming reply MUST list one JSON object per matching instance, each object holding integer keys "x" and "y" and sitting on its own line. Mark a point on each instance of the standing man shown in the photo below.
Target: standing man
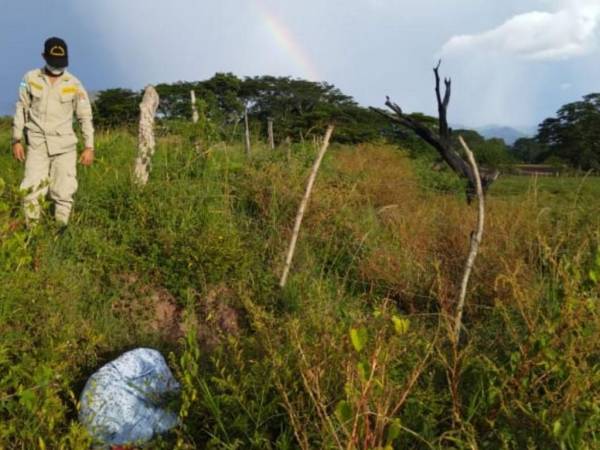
{"x": 48, "y": 100}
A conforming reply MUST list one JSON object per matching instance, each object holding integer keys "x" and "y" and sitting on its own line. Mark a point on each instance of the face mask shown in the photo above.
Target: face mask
{"x": 56, "y": 71}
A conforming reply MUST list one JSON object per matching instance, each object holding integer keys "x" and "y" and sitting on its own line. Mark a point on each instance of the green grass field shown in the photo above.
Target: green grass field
{"x": 354, "y": 353}
{"x": 567, "y": 190}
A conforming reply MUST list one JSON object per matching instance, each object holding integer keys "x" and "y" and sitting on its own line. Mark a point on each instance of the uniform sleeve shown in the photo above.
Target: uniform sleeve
{"x": 83, "y": 111}
{"x": 22, "y": 107}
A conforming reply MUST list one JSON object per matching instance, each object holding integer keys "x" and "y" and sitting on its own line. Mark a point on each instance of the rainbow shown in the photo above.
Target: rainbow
{"x": 286, "y": 40}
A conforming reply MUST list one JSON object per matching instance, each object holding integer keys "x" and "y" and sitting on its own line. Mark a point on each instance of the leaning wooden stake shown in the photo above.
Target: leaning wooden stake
{"x": 475, "y": 241}
{"x": 195, "y": 116}
{"x": 303, "y": 203}
{"x": 270, "y": 131}
{"x": 247, "y": 132}
{"x": 146, "y": 142}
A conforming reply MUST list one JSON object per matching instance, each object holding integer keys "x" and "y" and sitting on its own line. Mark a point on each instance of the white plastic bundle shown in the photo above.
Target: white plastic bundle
{"x": 124, "y": 401}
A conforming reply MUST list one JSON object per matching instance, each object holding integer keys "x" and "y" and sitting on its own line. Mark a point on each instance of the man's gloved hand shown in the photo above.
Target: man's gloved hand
{"x": 19, "y": 151}
{"x": 87, "y": 157}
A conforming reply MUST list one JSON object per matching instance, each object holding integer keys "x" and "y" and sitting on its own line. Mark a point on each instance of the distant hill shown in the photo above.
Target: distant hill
{"x": 510, "y": 135}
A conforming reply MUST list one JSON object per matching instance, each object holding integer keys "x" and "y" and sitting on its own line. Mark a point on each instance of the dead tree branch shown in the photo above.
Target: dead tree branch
{"x": 475, "y": 241}
{"x": 442, "y": 140}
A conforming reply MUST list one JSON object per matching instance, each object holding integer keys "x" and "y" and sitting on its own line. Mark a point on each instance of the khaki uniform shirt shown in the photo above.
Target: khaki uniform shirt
{"x": 46, "y": 111}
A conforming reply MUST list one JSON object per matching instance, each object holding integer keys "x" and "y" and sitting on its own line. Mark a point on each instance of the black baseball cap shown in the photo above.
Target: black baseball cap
{"x": 55, "y": 52}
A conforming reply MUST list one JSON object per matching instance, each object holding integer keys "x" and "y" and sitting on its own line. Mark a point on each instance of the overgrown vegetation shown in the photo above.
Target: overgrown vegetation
{"x": 354, "y": 353}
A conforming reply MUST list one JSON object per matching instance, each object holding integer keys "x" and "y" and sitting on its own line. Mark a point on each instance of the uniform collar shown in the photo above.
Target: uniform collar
{"x": 65, "y": 77}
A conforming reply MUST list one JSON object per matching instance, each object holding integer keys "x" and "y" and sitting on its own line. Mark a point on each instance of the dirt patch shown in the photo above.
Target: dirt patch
{"x": 165, "y": 315}
{"x": 216, "y": 316}
{"x": 150, "y": 307}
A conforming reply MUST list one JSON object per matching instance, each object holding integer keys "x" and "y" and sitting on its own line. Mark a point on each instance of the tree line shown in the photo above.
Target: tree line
{"x": 572, "y": 138}
{"x": 299, "y": 108}
{"x": 302, "y": 109}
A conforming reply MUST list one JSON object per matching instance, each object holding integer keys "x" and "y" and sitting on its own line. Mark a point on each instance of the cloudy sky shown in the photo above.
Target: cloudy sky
{"x": 513, "y": 62}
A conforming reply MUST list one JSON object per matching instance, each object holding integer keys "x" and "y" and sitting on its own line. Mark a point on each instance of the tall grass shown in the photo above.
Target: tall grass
{"x": 354, "y": 352}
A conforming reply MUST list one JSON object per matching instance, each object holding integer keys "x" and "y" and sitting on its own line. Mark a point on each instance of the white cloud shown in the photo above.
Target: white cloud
{"x": 571, "y": 30}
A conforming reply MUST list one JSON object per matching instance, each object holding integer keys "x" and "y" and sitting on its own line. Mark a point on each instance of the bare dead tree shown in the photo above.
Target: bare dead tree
{"x": 302, "y": 207}
{"x": 442, "y": 140}
{"x": 146, "y": 142}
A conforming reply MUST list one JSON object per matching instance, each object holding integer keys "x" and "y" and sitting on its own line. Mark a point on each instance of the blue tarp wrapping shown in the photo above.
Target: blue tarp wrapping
{"x": 124, "y": 401}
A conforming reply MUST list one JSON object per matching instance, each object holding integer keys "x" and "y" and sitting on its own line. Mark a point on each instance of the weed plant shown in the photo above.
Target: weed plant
{"x": 354, "y": 353}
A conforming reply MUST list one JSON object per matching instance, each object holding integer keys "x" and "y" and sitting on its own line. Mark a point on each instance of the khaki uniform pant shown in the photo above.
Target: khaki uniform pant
{"x": 45, "y": 173}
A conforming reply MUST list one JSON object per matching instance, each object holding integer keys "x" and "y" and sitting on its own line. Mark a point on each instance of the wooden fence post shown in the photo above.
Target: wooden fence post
{"x": 303, "y": 203}
{"x": 146, "y": 142}
{"x": 270, "y": 131}
{"x": 247, "y": 132}
{"x": 195, "y": 116}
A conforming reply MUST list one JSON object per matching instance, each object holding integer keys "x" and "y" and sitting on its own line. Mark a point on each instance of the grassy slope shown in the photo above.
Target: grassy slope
{"x": 264, "y": 368}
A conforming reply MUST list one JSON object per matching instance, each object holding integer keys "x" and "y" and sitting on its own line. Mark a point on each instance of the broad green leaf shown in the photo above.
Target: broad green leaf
{"x": 359, "y": 338}
{"x": 401, "y": 325}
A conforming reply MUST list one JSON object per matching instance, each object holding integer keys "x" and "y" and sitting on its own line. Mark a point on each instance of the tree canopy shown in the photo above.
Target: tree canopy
{"x": 491, "y": 152}
{"x": 300, "y": 108}
{"x": 574, "y": 134}
{"x": 571, "y": 138}
{"x": 116, "y": 107}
